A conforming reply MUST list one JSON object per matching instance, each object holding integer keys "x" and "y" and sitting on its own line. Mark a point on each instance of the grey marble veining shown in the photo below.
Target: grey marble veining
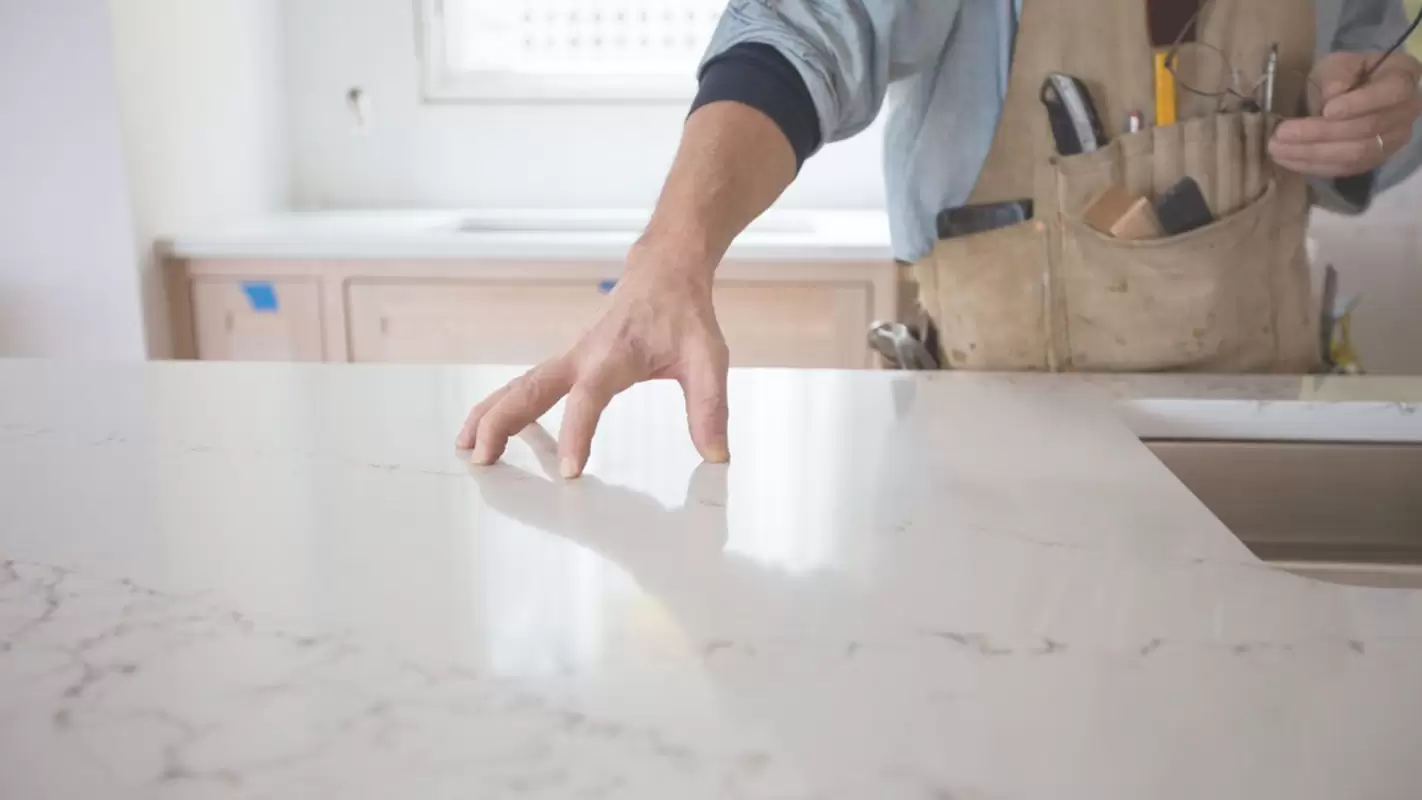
{"x": 279, "y": 581}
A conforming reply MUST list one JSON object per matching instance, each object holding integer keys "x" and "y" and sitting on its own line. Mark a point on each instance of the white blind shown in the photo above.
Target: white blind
{"x": 579, "y": 37}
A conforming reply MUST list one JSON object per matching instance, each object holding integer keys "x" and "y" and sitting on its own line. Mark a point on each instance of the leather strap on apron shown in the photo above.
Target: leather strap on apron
{"x": 1053, "y": 294}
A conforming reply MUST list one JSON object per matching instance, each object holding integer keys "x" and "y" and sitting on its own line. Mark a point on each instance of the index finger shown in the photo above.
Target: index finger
{"x": 522, "y": 403}
{"x": 465, "y": 441}
{"x": 1318, "y": 129}
{"x": 1386, "y": 89}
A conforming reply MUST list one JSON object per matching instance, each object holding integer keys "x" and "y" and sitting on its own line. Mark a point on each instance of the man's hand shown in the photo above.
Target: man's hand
{"x": 660, "y": 324}
{"x": 1342, "y": 138}
{"x": 732, "y": 163}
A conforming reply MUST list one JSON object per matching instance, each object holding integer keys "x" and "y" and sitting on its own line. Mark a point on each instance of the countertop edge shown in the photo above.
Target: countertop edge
{"x": 1199, "y": 419}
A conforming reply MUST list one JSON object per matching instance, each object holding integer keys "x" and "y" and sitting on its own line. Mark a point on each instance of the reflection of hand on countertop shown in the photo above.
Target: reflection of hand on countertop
{"x": 678, "y": 555}
{"x": 925, "y": 679}
{"x": 750, "y": 623}
{"x": 641, "y": 528}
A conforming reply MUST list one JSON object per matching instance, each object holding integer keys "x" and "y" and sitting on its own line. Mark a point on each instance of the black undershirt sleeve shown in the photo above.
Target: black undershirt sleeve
{"x": 757, "y": 75}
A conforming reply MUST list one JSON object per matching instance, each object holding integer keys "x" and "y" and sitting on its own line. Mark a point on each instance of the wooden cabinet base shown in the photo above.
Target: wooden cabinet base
{"x": 772, "y": 314}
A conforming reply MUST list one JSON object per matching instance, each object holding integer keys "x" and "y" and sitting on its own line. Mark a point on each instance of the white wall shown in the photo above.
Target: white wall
{"x": 202, "y": 102}
{"x": 486, "y": 155}
{"x": 68, "y": 283}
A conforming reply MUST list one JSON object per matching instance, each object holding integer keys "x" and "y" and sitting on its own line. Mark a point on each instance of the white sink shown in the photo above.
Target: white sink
{"x": 628, "y": 223}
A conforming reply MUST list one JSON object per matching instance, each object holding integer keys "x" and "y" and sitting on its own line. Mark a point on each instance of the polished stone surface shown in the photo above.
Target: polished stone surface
{"x": 1319, "y": 408}
{"x": 280, "y": 581}
{"x": 1388, "y": 389}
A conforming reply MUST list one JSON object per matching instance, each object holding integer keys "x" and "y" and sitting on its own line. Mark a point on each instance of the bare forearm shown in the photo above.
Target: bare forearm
{"x": 733, "y": 163}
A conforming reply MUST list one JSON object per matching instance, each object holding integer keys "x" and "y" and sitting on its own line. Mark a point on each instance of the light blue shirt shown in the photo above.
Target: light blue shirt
{"x": 942, "y": 67}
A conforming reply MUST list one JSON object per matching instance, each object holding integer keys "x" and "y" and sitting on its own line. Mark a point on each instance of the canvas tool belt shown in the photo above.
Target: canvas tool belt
{"x": 1053, "y": 293}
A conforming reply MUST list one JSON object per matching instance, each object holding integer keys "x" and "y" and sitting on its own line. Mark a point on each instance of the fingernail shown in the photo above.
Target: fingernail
{"x": 718, "y": 454}
{"x": 569, "y": 468}
{"x": 481, "y": 457}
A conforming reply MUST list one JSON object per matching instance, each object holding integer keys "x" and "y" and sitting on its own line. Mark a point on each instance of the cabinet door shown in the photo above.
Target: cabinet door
{"x": 257, "y": 320}
{"x": 490, "y": 322}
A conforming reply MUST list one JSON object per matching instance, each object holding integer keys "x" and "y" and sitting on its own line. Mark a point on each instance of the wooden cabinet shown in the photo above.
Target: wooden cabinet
{"x": 500, "y": 323}
{"x": 479, "y": 322}
{"x": 795, "y": 325}
{"x": 257, "y": 319}
{"x": 772, "y": 314}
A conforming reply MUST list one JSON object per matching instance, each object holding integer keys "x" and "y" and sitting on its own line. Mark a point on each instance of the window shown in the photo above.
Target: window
{"x": 565, "y": 49}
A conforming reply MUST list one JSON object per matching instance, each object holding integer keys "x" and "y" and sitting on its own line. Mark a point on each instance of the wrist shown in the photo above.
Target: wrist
{"x": 687, "y": 256}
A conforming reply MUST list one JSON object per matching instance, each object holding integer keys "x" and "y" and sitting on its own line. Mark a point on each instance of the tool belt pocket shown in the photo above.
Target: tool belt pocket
{"x": 985, "y": 292}
{"x": 1200, "y": 300}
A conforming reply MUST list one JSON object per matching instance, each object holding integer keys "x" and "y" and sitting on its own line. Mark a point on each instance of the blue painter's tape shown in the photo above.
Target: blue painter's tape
{"x": 607, "y": 286}
{"x": 261, "y": 295}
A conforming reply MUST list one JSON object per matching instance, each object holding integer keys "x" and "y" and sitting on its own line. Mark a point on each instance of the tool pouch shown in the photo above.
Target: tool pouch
{"x": 1054, "y": 293}
{"x": 986, "y": 295}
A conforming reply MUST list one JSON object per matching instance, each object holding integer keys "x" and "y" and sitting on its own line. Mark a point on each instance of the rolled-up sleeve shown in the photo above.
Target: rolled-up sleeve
{"x": 847, "y": 51}
{"x": 1366, "y": 26}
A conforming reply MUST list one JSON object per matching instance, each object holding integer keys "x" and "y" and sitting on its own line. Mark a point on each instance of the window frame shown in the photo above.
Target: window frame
{"x": 441, "y": 84}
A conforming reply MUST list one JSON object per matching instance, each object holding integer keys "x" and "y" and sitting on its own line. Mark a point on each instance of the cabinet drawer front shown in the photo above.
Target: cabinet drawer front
{"x": 257, "y": 320}
{"x": 493, "y": 322}
{"x": 468, "y": 321}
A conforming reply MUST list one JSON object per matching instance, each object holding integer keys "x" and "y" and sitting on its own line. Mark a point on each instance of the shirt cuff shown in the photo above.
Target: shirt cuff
{"x": 757, "y": 75}
{"x": 1357, "y": 190}
{"x": 1350, "y": 195}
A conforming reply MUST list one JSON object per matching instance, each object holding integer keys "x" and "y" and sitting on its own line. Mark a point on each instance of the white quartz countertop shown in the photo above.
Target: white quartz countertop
{"x": 1313, "y": 408}
{"x": 553, "y": 234}
{"x": 243, "y": 581}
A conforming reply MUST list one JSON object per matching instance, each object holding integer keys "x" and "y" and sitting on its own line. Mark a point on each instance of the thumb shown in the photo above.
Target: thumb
{"x": 703, "y": 381}
{"x": 1335, "y": 87}
{"x": 1335, "y": 76}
